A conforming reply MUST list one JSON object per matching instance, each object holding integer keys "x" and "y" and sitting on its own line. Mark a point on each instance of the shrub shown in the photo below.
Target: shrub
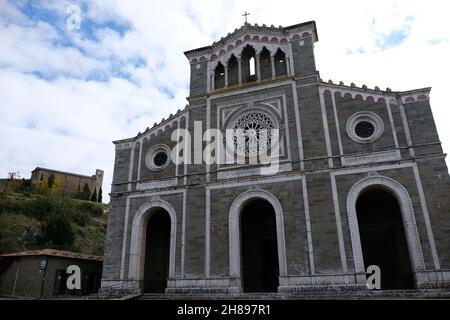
{"x": 41, "y": 207}
{"x": 57, "y": 230}
{"x": 6, "y": 205}
{"x": 80, "y": 217}
{"x": 92, "y": 207}
{"x": 17, "y": 232}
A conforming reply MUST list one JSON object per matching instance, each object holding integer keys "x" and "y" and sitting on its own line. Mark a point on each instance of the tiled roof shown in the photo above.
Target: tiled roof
{"x": 54, "y": 253}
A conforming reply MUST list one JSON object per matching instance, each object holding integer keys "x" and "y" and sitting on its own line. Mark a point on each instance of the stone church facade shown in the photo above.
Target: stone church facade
{"x": 362, "y": 181}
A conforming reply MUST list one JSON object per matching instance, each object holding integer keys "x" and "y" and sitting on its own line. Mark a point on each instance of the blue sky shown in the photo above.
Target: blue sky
{"x": 67, "y": 93}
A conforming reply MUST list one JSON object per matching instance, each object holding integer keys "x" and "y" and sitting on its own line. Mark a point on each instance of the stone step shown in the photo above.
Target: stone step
{"x": 360, "y": 294}
{"x": 375, "y": 294}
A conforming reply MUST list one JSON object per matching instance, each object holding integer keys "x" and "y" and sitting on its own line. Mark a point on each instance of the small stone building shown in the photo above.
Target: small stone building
{"x": 361, "y": 181}
{"x": 70, "y": 184}
{"x": 42, "y": 273}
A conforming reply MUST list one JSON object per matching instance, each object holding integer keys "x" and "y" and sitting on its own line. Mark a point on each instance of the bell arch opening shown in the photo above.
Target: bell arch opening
{"x": 219, "y": 76}
{"x": 280, "y": 63}
{"x": 265, "y": 64}
{"x": 233, "y": 71}
{"x": 248, "y": 64}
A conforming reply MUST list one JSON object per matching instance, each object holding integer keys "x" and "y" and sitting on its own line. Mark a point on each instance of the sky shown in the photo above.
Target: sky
{"x": 76, "y": 75}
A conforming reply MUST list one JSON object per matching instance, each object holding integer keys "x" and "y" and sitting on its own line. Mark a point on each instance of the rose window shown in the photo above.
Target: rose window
{"x": 364, "y": 129}
{"x": 160, "y": 159}
{"x": 253, "y": 134}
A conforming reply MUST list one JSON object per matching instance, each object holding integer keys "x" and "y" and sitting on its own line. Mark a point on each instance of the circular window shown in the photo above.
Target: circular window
{"x": 252, "y": 133}
{"x": 157, "y": 157}
{"x": 160, "y": 159}
{"x": 364, "y": 127}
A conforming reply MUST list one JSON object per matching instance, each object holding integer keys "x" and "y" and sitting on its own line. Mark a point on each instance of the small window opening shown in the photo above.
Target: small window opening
{"x": 252, "y": 66}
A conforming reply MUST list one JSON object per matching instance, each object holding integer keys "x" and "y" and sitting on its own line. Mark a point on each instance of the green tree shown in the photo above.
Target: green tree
{"x": 26, "y": 185}
{"x": 86, "y": 194}
{"x": 79, "y": 195}
{"x": 100, "y": 194}
{"x": 51, "y": 181}
{"x": 57, "y": 230}
{"x": 94, "y": 195}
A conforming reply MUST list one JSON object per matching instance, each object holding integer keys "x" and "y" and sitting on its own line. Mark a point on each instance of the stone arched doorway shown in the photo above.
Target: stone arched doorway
{"x": 259, "y": 264}
{"x": 153, "y": 243}
{"x": 365, "y": 195}
{"x": 383, "y": 240}
{"x": 157, "y": 249}
{"x": 257, "y": 242}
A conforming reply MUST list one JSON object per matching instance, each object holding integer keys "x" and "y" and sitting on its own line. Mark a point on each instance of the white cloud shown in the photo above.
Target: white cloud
{"x": 69, "y": 121}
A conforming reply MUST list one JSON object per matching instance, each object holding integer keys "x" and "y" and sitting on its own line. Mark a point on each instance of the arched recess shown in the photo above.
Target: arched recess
{"x": 265, "y": 64}
{"x": 233, "y": 71}
{"x": 248, "y": 55}
{"x": 235, "y": 236}
{"x": 408, "y": 218}
{"x": 138, "y": 238}
{"x": 280, "y": 63}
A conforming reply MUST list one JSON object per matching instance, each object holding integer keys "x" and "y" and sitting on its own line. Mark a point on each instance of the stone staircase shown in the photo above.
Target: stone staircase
{"x": 118, "y": 296}
{"x": 349, "y": 295}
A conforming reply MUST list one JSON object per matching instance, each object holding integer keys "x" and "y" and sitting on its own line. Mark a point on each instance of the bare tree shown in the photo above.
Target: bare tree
{"x": 13, "y": 175}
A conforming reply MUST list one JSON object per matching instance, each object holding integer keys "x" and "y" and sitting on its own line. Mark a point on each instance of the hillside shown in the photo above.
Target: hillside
{"x": 31, "y": 220}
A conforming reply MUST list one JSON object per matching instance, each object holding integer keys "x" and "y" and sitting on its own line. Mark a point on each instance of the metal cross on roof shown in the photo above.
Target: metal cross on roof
{"x": 245, "y": 15}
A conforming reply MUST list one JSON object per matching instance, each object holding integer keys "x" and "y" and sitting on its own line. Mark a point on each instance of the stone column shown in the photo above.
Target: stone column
{"x": 213, "y": 74}
{"x": 208, "y": 76}
{"x": 258, "y": 71}
{"x": 272, "y": 64}
{"x": 239, "y": 60}
{"x": 225, "y": 67}
{"x": 288, "y": 67}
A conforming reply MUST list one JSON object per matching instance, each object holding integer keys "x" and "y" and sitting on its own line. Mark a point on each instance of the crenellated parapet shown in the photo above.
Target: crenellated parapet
{"x": 376, "y": 95}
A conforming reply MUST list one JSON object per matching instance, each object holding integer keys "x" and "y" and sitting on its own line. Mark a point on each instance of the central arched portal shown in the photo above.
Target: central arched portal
{"x": 157, "y": 249}
{"x": 383, "y": 239}
{"x": 260, "y": 267}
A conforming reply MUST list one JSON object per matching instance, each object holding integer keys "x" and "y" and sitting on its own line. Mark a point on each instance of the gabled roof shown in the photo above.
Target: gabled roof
{"x": 54, "y": 253}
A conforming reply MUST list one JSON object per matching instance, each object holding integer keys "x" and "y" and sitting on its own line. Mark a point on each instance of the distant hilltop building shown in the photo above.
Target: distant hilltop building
{"x": 71, "y": 185}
